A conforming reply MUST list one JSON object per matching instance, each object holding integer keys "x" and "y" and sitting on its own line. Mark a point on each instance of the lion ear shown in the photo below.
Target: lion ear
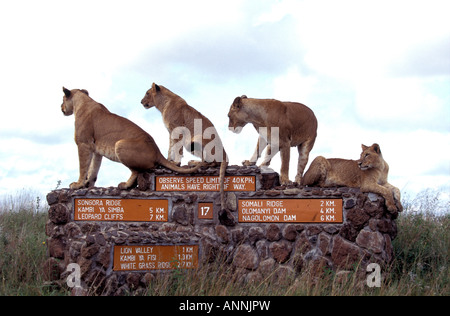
{"x": 157, "y": 88}
{"x": 364, "y": 147}
{"x": 67, "y": 92}
{"x": 377, "y": 148}
{"x": 237, "y": 102}
{"x": 84, "y": 91}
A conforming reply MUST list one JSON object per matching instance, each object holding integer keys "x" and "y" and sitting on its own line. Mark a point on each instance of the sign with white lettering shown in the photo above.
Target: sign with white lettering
{"x": 205, "y": 183}
{"x": 205, "y": 210}
{"x": 130, "y": 258}
{"x": 132, "y": 210}
{"x": 290, "y": 211}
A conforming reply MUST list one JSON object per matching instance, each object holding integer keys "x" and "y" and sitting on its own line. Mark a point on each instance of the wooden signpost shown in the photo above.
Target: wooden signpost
{"x": 155, "y": 257}
{"x": 126, "y": 210}
{"x": 205, "y": 183}
{"x": 166, "y": 257}
{"x": 290, "y": 211}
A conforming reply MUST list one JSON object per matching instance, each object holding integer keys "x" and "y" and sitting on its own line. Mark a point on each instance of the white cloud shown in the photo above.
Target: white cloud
{"x": 355, "y": 39}
{"x": 295, "y": 86}
{"x": 401, "y": 103}
{"x": 341, "y": 58}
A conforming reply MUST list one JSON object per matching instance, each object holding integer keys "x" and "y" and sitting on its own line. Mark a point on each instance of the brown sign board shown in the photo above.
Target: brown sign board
{"x": 205, "y": 210}
{"x": 155, "y": 257}
{"x": 132, "y": 210}
{"x": 205, "y": 183}
{"x": 290, "y": 211}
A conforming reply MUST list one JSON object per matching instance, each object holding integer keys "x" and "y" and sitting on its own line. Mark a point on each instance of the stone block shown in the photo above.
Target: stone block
{"x": 246, "y": 257}
{"x": 256, "y": 251}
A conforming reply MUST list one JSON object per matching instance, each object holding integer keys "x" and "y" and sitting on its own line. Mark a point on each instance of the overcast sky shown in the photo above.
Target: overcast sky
{"x": 372, "y": 71}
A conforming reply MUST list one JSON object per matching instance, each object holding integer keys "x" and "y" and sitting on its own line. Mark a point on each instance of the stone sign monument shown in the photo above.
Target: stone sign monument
{"x": 119, "y": 238}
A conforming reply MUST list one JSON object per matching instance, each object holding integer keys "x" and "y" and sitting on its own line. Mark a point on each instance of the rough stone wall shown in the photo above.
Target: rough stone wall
{"x": 254, "y": 249}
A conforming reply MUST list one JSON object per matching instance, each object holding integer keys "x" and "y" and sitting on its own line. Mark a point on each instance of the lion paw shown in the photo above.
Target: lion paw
{"x": 76, "y": 185}
{"x": 285, "y": 181}
{"x": 392, "y": 207}
{"x": 123, "y": 186}
{"x": 248, "y": 163}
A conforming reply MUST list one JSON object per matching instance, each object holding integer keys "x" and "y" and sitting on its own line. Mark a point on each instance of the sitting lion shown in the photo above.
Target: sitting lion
{"x": 100, "y": 133}
{"x": 296, "y": 123}
{"x": 190, "y": 129}
{"x": 369, "y": 173}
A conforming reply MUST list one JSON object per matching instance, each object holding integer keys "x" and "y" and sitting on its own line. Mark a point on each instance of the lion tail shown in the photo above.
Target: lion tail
{"x": 225, "y": 216}
{"x": 223, "y": 168}
{"x": 166, "y": 163}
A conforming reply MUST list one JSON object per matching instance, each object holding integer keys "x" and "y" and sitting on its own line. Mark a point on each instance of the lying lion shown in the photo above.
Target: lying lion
{"x": 100, "y": 133}
{"x": 297, "y": 127}
{"x": 190, "y": 129}
{"x": 369, "y": 173}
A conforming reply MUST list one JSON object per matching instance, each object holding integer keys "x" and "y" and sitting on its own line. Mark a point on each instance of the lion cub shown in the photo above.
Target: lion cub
{"x": 369, "y": 173}
{"x": 100, "y": 133}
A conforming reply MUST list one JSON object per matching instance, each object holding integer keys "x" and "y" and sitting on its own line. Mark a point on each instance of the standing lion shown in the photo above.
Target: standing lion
{"x": 295, "y": 123}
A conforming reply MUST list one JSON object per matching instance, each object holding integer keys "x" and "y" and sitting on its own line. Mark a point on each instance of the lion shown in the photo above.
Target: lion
{"x": 100, "y": 133}
{"x": 295, "y": 123}
{"x": 369, "y": 173}
{"x": 190, "y": 129}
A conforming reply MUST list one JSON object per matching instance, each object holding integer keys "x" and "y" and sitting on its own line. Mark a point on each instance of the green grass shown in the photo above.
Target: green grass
{"x": 420, "y": 267}
{"x": 22, "y": 252}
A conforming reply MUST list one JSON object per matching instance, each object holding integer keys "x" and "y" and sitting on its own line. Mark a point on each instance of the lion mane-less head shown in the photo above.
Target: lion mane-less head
{"x": 67, "y": 105}
{"x": 371, "y": 157}
{"x": 149, "y": 99}
{"x": 237, "y": 117}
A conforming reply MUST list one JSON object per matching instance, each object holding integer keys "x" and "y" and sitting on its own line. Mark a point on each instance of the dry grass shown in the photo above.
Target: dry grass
{"x": 421, "y": 265}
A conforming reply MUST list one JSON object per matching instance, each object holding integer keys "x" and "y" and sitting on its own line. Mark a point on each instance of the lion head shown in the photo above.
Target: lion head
{"x": 238, "y": 118}
{"x": 370, "y": 157}
{"x": 67, "y": 105}
{"x": 149, "y": 99}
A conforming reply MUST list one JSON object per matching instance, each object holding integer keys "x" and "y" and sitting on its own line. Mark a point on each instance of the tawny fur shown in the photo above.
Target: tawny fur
{"x": 369, "y": 173}
{"x": 177, "y": 113}
{"x": 297, "y": 127}
{"x": 100, "y": 133}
